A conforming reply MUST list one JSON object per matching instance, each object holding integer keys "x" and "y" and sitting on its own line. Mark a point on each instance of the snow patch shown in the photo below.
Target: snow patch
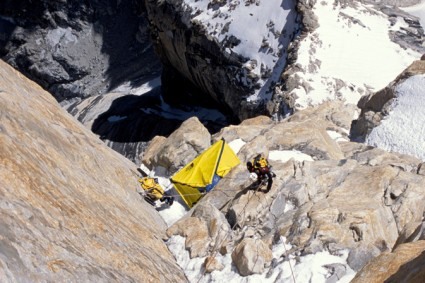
{"x": 309, "y": 268}
{"x": 236, "y": 145}
{"x": 128, "y": 87}
{"x": 285, "y": 155}
{"x": 336, "y": 136}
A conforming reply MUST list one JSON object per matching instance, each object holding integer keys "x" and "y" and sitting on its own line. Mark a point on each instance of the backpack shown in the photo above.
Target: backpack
{"x": 147, "y": 183}
{"x": 154, "y": 190}
{"x": 260, "y": 162}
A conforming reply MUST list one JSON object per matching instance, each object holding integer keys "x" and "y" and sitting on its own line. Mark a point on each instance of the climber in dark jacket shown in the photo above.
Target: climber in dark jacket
{"x": 261, "y": 167}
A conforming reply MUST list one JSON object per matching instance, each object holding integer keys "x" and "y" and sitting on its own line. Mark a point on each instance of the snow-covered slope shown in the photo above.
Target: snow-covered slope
{"x": 403, "y": 130}
{"x": 348, "y": 55}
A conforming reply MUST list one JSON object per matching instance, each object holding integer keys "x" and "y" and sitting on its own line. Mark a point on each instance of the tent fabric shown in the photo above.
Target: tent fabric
{"x": 199, "y": 174}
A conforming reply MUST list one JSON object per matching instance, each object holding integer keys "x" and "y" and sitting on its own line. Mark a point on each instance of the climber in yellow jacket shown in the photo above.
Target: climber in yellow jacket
{"x": 154, "y": 191}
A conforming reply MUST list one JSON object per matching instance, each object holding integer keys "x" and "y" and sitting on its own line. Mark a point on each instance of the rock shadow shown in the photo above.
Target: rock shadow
{"x": 127, "y": 42}
{"x": 139, "y": 118}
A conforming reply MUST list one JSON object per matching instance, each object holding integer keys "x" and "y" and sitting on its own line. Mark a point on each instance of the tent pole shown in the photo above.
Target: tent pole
{"x": 219, "y": 156}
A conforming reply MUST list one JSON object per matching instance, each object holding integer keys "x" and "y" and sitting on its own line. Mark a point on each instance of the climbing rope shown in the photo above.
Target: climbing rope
{"x": 289, "y": 262}
{"x": 219, "y": 244}
{"x": 215, "y": 248}
{"x": 227, "y": 234}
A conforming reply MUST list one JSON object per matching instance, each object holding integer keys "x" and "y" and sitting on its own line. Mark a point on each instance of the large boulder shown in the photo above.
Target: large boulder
{"x": 183, "y": 145}
{"x": 251, "y": 256}
{"x": 195, "y": 230}
{"x": 205, "y": 228}
{"x": 76, "y": 50}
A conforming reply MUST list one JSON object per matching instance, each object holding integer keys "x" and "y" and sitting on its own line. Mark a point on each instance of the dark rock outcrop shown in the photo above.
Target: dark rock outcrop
{"x": 191, "y": 52}
{"x": 410, "y": 37}
{"x": 77, "y": 49}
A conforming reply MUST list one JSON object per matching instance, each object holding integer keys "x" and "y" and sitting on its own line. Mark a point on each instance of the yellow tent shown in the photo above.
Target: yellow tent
{"x": 204, "y": 172}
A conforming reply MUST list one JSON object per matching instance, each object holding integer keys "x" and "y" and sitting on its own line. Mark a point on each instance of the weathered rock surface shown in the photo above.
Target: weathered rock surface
{"x": 211, "y": 264}
{"x": 69, "y": 210}
{"x": 346, "y": 196}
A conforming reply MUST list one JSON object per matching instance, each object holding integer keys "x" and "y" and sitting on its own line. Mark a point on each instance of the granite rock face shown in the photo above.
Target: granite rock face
{"x": 69, "y": 210}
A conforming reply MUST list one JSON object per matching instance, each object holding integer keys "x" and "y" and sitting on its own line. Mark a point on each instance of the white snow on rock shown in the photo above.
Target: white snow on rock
{"x": 309, "y": 268}
{"x": 351, "y": 45}
{"x": 403, "y": 130}
{"x": 236, "y": 145}
{"x": 264, "y": 29}
{"x": 285, "y": 155}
